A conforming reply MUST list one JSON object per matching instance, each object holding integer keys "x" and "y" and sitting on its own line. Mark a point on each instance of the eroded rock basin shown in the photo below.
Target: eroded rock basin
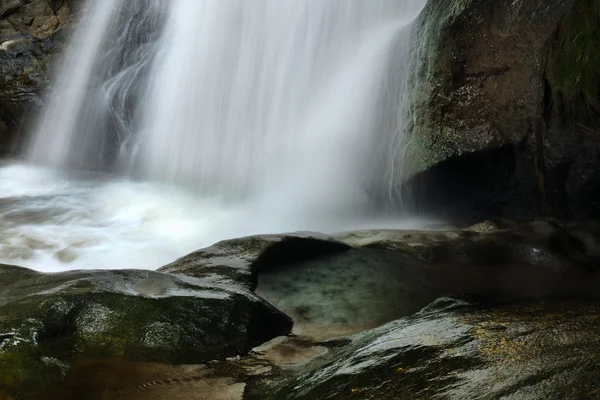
{"x": 498, "y": 310}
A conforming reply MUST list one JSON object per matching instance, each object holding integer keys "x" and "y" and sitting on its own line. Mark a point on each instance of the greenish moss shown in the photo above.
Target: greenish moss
{"x": 573, "y": 70}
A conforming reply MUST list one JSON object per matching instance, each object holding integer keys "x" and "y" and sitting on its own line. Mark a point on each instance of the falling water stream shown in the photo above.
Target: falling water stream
{"x": 175, "y": 124}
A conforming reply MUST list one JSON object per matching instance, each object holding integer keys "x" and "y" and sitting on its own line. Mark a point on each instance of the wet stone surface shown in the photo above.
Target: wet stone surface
{"x": 45, "y": 319}
{"x": 499, "y": 310}
{"x": 458, "y": 349}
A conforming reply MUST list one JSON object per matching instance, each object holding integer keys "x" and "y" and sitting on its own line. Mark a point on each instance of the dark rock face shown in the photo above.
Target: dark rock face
{"x": 46, "y": 319}
{"x": 506, "y": 109}
{"x": 32, "y": 33}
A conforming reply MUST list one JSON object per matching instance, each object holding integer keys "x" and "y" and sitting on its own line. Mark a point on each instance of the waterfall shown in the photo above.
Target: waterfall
{"x": 231, "y": 98}
{"x": 173, "y": 124}
{"x": 94, "y": 106}
{"x": 269, "y": 95}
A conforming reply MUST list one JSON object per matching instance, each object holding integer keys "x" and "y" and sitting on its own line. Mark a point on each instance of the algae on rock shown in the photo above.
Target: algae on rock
{"x": 505, "y": 110}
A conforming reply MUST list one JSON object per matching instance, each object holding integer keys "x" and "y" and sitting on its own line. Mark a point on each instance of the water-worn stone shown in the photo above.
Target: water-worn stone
{"x": 346, "y": 283}
{"x": 457, "y": 349}
{"x": 240, "y": 260}
{"x": 46, "y": 319}
{"x": 505, "y": 109}
{"x": 525, "y": 325}
{"x": 542, "y": 243}
{"x": 390, "y": 274}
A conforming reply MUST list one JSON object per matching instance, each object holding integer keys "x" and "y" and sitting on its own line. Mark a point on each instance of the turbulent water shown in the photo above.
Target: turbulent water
{"x": 191, "y": 121}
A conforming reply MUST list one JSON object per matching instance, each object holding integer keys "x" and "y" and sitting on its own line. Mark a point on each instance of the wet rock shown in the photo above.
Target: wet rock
{"x": 337, "y": 285}
{"x": 523, "y": 327}
{"x": 391, "y": 274}
{"x": 240, "y": 260}
{"x": 505, "y": 109}
{"x": 542, "y": 243}
{"x": 32, "y": 34}
{"x": 46, "y": 319}
{"x": 457, "y": 348}
{"x": 347, "y": 283}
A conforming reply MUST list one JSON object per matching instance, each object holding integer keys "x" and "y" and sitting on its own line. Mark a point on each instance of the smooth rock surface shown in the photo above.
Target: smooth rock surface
{"x": 524, "y": 324}
{"x": 240, "y": 260}
{"x": 389, "y": 274}
{"x": 457, "y": 349}
{"x": 46, "y": 319}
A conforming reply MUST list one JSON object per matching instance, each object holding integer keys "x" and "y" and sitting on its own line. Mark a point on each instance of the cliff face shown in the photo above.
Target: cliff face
{"x": 507, "y": 108}
{"x": 31, "y": 34}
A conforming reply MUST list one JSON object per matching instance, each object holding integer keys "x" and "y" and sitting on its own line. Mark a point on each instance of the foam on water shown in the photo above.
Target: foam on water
{"x": 50, "y": 221}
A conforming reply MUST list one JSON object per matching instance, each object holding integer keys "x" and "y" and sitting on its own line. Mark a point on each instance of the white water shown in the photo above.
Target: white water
{"x": 235, "y": 117}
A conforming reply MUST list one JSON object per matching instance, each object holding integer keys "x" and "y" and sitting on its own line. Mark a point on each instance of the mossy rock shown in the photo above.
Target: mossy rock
{"x": 46, "y": 319}
{"x": 573, "y": 69}
{"x": 504, "y": 110}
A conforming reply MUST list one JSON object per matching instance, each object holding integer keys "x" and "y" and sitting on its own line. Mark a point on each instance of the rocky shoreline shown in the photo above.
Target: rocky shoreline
{"x": 496, "y": 310}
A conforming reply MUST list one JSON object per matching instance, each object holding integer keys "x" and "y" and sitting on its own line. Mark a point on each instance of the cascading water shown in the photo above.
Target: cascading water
{"x": 96, "y": 101}
{"x": 232, "y": 117}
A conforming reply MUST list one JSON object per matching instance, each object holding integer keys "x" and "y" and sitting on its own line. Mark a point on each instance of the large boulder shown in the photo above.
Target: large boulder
{"x": 506, "y": 109}
{"x": 47, "y": 319}
{"x": 32, "y": 34}
{"x": 350, "y": 282}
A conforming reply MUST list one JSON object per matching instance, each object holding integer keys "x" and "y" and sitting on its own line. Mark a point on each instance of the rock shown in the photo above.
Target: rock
{"x": 32, "y": 33}
{"x": 337, "y": 285}
{"x": 46, "y": 319}
{"x": 506, "y": 110}
{"x": 542, "y": 243}
{"x": 240, "y": 260}
{"x": 457, "y": 348}
{"x": 390, "y": 274}
{"x": 527, "y": 293}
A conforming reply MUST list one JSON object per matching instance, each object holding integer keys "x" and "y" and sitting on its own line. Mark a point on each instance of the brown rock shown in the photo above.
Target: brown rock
{"x": 506, "y": 107}
{"x": 29, "y": 40}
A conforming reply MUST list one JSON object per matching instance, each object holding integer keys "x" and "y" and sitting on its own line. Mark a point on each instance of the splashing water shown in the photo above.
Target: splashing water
{"x": 204, "y": 120}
